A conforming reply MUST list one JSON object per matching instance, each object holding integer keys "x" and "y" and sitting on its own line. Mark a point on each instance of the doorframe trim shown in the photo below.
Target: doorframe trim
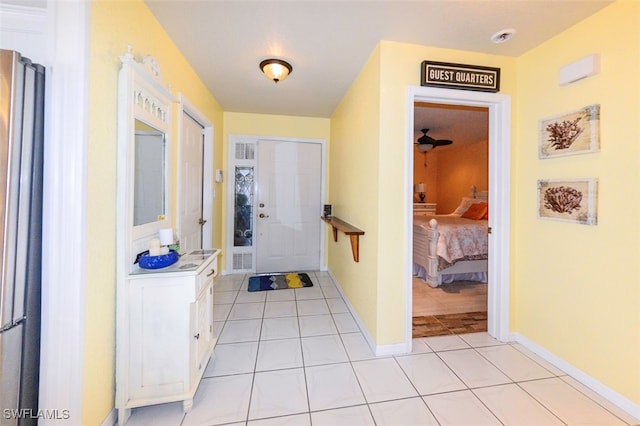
{"x": 499, "y": 106}
{"x": 186, "y": 107}
{"x": 231, "y": 162}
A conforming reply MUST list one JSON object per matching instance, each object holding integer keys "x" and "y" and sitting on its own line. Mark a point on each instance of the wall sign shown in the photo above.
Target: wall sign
{"x": 460, "y": 76}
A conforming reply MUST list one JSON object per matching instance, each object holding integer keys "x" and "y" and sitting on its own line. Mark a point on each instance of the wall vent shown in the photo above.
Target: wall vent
{"x": 242, "y": 261}
{"x": 245, "y": 151}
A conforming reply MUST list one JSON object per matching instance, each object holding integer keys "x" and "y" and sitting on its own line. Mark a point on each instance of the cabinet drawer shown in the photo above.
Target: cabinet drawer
{"x": 206, "y": 276}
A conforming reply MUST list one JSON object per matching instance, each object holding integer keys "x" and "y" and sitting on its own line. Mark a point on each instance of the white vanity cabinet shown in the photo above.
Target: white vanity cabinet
{"x": 169, "y": 334}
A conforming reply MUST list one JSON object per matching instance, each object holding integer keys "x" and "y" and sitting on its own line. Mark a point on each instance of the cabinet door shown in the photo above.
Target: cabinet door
{"x": 203, "y": 337}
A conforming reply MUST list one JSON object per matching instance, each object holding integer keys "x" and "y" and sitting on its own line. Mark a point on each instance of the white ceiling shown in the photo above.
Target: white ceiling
{"x": 328, "y": 42}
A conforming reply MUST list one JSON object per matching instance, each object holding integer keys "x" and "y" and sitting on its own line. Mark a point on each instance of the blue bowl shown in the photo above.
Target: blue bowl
{"x": 156, "y": 262}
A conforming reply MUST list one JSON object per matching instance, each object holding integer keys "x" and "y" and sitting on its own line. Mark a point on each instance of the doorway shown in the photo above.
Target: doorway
{"x": 288, "y": 206}
{"x": 275, "y": 191}
{"x": 499, "y": 107}
{"x": 195, "y": 183}
{"x": 445, "y": 174}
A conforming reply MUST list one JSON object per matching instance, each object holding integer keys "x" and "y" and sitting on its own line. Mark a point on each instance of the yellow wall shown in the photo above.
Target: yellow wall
{"x": 575, "y": 287}
{"x": 354, "y": 170}
{"x": 114, "y": 25}
{"x": 368, "y": 175}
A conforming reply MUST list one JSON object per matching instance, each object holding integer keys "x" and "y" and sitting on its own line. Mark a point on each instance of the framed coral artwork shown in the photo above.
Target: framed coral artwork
{"x": 575, "y": 132}
{"x": 568, "y": 200}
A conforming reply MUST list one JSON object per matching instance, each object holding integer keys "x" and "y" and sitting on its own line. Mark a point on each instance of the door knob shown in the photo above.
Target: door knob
{"x": 262, "y": 215}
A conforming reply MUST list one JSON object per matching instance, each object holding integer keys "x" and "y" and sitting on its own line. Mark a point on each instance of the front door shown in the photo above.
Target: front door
{"x": 191, "y": 220}
{"x": 288, "y": 206}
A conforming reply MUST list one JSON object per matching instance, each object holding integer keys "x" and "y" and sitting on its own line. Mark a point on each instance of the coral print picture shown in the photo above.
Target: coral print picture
{"x": 568, "y": 200}
{"x": 576, "y": 132}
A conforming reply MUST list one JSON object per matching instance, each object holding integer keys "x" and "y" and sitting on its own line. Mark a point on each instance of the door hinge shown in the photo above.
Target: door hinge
{"x": 489, "y": 230}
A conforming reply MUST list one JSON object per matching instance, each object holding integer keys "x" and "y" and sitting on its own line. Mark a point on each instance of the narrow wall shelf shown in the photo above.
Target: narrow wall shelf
{"x": 348, "y": 229}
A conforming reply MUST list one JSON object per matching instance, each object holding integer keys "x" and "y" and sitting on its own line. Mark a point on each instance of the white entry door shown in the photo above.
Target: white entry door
{"x": 288, "y": 206}
{"x": 191, "y": 220}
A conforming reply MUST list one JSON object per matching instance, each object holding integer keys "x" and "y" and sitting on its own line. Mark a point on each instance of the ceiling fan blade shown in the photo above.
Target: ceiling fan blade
{"x": 441, "y": 142}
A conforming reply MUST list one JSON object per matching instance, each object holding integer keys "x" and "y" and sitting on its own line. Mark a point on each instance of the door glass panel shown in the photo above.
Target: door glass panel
{"x": 243, "y": 225}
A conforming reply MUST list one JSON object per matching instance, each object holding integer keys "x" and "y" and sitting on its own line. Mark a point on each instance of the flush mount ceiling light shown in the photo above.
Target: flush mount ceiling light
{"x": 503, "y": 36}
{"x": 276, "y": 69}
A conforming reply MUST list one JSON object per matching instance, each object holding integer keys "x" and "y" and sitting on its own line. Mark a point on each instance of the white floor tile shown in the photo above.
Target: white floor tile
{"x": 308, "y": 293}
{"x": 545, "y": 364}
{"x": 221, "y": 400}
{"x": 351, "y": 416}
{"x": 513, "y": 363}
{"x": 460, "y": 409}
{"x": 445, "y": 343}
{"x": 281, "y": 295}
{"x": 224, "y": 297}
{"x": 412, "y": 411}
{"x": 227, "y": 285}
{"x": 312, "y": 307}
{"x": 279, "y": 354}
{"x": 477, "y": 340}
{"x": 332, "y": 386}
{"x": 221, "y": 312}
{"x": 419, "y": 346}
{"x": 330, "y": 292}
{"x": 383, "y": 380}
{"x": 160, "y": 415}
{"x": 233, "y": 358}
{"x": 337, "y": 306}
{"x": 240, "y": 331}
{"x": 357, "y": 347}
{"x": 245, "y": 296}
{"x": 285, "y": 308}
{"x": 294, "y": 420}
{"x": 279, "y": 328}
{"x": 474, "y": 370}
{"x": 278, "y": 393}
{"x": 323, "y": 350}
{"x": 317, "y": 325}
{"x": 618, "y": 412}
{"x": 570, "y": 405}
{"x": 429, "y": 374}
{"x": 345, "y": 323}
{"x": 241, "y": 311}
{"x": 513, "y": 406}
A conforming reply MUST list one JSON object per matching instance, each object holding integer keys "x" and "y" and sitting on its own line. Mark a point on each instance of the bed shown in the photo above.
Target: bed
{"x": 453, "y": 247}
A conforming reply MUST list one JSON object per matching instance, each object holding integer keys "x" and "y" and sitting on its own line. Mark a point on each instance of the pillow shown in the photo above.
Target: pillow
{"x": 464, "y": 205}
{"x": 476, "y": 211}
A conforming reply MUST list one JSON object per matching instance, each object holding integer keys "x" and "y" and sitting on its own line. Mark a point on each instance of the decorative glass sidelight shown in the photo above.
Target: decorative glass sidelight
{"x": 243, "y": 223}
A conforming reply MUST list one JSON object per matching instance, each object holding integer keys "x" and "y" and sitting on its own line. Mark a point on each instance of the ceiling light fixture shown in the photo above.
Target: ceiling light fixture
{"x": 503, "y": 36}
{"x": 276, "y": 69}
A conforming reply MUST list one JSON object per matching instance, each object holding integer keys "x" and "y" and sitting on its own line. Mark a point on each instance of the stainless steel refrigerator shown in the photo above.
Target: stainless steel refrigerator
{"x": 21, "y": 168}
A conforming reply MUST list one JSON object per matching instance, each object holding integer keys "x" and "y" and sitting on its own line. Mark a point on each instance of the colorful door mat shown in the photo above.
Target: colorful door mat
{"x": 279, "y": 281}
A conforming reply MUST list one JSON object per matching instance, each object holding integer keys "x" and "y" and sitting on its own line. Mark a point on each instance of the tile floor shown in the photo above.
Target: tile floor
{"x": 297, "y": 357}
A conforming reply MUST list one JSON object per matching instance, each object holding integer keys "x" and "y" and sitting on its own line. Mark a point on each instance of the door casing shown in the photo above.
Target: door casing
{"x": 499, "y": 107}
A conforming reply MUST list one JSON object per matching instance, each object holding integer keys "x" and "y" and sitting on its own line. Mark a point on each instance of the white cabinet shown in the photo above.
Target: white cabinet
{"x": 165, "y": 332}
{"x": 424, "y": 208}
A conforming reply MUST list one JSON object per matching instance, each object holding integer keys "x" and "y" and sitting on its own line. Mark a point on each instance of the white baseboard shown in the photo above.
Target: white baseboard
{"x": 607, "y": 393}
{"x": 111, "y": 419}
{"x": 378, "y": 350}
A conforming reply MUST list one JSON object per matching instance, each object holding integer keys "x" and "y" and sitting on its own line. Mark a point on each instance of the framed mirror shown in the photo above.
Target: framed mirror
{"x": 144, "y": 156}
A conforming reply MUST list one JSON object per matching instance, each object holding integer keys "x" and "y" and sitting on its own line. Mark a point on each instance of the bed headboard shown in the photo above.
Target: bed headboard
{"x": 481, "y": 195}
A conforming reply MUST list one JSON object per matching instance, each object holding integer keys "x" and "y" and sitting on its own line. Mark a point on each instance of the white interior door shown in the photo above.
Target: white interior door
{"x": 288, "y": 206}
{"x": 191, "y": 218}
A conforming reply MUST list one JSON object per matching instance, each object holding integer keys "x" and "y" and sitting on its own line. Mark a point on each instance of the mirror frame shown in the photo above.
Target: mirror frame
{"x": 142, "y": 97}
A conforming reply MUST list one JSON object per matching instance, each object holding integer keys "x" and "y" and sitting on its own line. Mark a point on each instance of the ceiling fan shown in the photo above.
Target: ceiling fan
{"x": 426, "y": 143}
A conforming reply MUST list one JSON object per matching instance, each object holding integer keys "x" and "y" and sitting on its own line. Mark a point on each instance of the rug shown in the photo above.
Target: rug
{"x": 279, "y": 281}
{"x": 442, "y": 325}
